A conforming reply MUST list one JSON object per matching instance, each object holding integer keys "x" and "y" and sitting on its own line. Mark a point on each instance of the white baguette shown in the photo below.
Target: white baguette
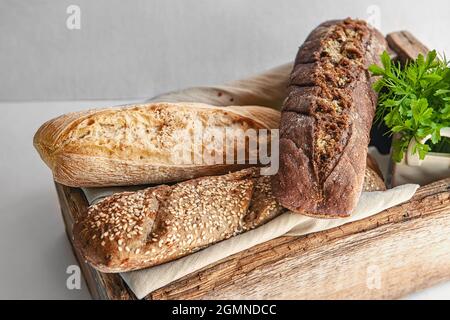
{"x": 143, "y": 144}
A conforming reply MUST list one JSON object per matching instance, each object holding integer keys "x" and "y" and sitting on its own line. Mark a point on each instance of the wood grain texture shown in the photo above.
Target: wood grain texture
{"x": 406, "y": 248}
{"x": 408, "y": 244}
{"x": 405, "y": 45}
{"x": 265, "y": 89}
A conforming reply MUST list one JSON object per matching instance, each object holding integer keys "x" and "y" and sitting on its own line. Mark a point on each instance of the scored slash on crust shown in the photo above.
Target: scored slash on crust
{"x": 165, "y": 222}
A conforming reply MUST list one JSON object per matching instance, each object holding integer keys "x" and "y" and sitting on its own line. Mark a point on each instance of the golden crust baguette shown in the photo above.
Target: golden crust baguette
{"x": 141, "y": 144}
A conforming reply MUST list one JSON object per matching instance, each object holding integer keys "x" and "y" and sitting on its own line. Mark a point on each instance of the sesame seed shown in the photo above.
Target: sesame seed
{"x": 210, "y": 210}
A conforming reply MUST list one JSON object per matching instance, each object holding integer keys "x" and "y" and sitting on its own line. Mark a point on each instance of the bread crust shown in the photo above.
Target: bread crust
{"x": 326, "y": 120}
{"x": 135, "y": 145}
{"x": 135, "y": 230}
{"x": 165, "y": 223}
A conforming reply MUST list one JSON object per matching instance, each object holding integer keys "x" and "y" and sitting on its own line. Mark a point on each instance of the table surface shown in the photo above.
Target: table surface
{"x": 35, "y": 251}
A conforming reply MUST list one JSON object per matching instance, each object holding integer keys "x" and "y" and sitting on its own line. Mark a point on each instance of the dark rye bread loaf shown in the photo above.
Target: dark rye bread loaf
{"x": 326, "y": 120}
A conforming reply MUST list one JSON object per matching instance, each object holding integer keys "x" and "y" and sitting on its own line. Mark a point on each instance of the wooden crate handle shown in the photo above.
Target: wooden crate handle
{"x": 405, "y": 45}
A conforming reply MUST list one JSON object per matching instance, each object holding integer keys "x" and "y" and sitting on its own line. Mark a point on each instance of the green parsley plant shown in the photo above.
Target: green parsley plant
{"x": 413, "y": 100}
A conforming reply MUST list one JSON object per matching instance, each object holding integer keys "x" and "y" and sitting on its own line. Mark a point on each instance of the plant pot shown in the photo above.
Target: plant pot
{"x": 411, "y": 169}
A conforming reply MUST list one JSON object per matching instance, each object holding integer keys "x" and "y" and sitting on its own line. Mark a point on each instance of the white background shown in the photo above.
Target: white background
{"x": 139, "y": 48}
{"x": 132, "y": 50}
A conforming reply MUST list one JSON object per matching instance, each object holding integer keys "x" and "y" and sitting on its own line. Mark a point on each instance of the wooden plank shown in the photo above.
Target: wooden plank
{"x": 407, "y": 245}
{"x": 405, "y": 45}
{"x": 94, "y": 289}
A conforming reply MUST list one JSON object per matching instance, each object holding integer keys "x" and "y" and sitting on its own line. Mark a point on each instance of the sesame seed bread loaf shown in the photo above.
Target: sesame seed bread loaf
{"x": 134, "y": 230}
{"x": 326, "y": 120}
{"x": 144, "y": 144}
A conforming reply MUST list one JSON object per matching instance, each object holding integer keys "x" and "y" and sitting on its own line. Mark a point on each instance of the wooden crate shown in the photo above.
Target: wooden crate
{"x": 396, "y": 252}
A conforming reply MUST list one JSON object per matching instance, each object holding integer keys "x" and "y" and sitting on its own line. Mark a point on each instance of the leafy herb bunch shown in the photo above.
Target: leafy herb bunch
{"x": 414, "y": 100}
